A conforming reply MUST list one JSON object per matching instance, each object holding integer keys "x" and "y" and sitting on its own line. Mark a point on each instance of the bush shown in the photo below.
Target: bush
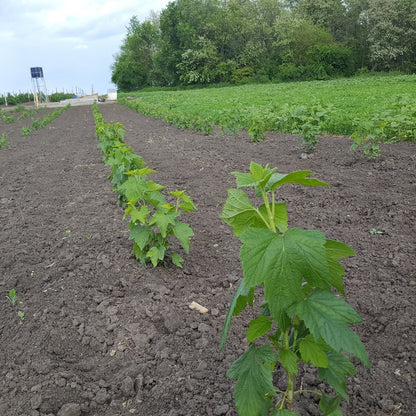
{"x": 330, "y": 61}
{"x": 242, "y": 75}
{"x": 290, "y": 72}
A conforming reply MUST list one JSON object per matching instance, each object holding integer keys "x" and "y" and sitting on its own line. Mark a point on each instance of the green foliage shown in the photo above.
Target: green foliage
{"x": 3, "y": 141}
{"x": 154, "y": 219}
{"x": 379, "y": 106}
{"x": 8, "y": 119}
{"x": 301, "y": 319}
{"x": 395, "y": 124}
{"x": 199, "y": 42}
{"x": 12, "y": 297}
{"x": 392, "y": 35}
{"x": 60, "y": 96}
{"x": 26, "y": 131}
{"x": 16, "y": 99}
{"x": 38, "y": 123}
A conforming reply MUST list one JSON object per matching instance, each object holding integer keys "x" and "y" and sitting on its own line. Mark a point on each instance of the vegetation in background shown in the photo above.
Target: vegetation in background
{"x": 39, "y": 123}
{"x": 28, "y": 97}
{"x": 3, "y": 141}
{"x": 15, "y": 99}
{"x": 300, "y": 320}
{"x": 371, "y": 109}
{"x": 199, "y": 42}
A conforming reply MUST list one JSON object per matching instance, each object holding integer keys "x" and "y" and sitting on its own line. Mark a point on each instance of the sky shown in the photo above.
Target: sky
{"x": 74, "y": 41}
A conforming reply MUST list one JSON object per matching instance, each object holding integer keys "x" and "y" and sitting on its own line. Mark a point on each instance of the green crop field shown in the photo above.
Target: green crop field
{"x": 354, "y": 96}
{"x": 370, "y": 109}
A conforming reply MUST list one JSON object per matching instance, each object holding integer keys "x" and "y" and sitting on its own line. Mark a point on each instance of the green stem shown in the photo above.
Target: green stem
{"x": 290, "y": 385}
{"x": 271, "y": 225}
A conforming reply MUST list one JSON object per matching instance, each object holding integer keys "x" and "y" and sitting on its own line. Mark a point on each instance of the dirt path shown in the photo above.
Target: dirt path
{"x": 104, "y": 336}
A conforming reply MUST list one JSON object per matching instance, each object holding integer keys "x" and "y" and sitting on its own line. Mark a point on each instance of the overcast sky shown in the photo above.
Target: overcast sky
{"x": 74, "y": 41}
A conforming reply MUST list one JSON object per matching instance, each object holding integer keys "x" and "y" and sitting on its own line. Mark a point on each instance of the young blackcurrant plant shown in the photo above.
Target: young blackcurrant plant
{"x": 153, "y": 221}
{"x": 301, "y": 319}
{"x": 12, "y": 297}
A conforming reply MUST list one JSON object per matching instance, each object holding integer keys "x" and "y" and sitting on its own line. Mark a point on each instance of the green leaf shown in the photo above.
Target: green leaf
{"x": 163, "y": 221}
{"x": 139, "y": 214}
{"x": 299, "y": 177}
{"x": 336, "y": 250}
{"x": 240, "y": 299}
{"x": 259, "y": 176}
{"x": 183, "y": 232}
{"x": 289, "y": 361}
{"x": 327, "y": 316}
{"x": 156, "y": 199}
{"x": 239, "y": 212}
{"x": 253, "y": 370}
{"x": 280, "y": 262}
{"x": 339, "y": 367}
{"x": 177, "y": 260}
{"x": 133, "y": 187}
{"x": 187, "y": 206}
{"x": 329, "y": 404}
{"x": 155, "y": 254}
{"x": 141, "y": 235}
{"x": 154, "y": 187}
{"x": 258, "y": 327}
{"x": 313, "y": 351}
{"x": 118, "y": 176}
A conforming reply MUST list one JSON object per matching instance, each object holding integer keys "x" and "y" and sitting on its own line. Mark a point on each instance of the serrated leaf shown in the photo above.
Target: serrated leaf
{"x": 177, "y": 193}
{"x": 168, "y": 207}
{"x": 253, "y": 371}
{"x": 339, "y": 366}
{"x": 259, "y": 176}
{"x": 280, "y": 262}
{"x": 177, "y": 260}
{"x": 258, "y": 327}
{"x": 134, "y": 187}
{"x": 154, "y": 187}
{"x": 139, "y": 214}
{"x": 327, "y": 316}
{"x": 239, "y": 212}
{"x": 337, "y": 250}
{"x": 187, "y": 206}
{"x": 299, "y": 177}
{"x": 313, "y": 351}
{"x": 145, "y": 171}
{"x": 183, "y": 232}
{"x": 329, "y": 404}
{"x": 240, "y": 299}
{"x": 163, "y": 221}
{"x": 156, "y": 199}
{"x": 155, "y": 254}
{"x": 141, "y": 235}
{"x": 289, "y": 361}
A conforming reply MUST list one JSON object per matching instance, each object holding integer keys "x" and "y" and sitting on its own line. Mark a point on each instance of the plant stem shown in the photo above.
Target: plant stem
{"x": 271, "y": 225}
{"x": 289, "y": 391}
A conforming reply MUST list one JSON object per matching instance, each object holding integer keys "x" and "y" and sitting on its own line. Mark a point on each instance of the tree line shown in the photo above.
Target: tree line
{"x": 236, "y": 41}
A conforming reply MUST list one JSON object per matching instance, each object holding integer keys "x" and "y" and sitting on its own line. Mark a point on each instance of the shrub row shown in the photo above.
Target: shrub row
{"x": 153, "y": 220}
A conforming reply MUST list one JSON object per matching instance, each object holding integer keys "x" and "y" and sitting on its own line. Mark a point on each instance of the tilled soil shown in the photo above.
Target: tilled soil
{"x": 103, "y": 335}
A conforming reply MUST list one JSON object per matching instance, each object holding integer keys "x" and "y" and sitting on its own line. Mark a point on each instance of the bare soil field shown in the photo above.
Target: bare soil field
{"x": 103, "y": 335}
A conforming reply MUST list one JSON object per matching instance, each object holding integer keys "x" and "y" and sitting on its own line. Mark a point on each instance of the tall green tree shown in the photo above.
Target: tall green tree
{"x": 133, "y": 66}
{"x": 392, "y": 34}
